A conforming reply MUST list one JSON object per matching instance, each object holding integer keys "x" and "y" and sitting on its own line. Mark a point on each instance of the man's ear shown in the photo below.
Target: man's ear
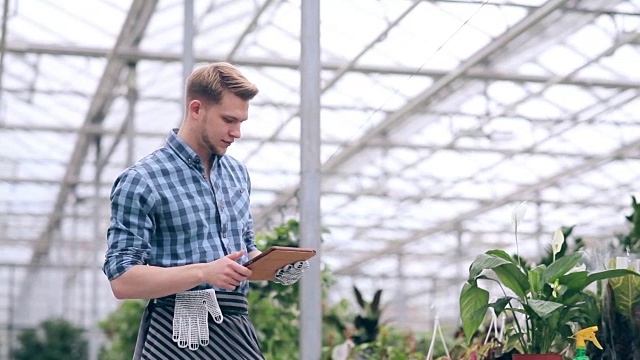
{"x": 195, "y": 107}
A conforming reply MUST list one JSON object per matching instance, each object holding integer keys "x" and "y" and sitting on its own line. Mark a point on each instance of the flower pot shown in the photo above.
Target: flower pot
{"x": 536, "y": 357}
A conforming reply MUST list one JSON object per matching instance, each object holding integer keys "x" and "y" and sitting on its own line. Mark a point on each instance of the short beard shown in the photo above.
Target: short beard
{"x": 209, "y": 144}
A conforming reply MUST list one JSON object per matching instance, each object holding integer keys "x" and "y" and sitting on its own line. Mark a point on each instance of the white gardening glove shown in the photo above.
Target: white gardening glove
{"x": 290, "y": 274}
{"x": 190, "y": 320}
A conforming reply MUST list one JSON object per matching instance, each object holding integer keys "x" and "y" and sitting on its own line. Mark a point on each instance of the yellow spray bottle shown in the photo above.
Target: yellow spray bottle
{"x": 582, "y": 336}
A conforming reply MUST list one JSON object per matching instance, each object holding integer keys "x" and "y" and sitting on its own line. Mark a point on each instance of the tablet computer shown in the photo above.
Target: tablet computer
{"x": 265, "y": 265}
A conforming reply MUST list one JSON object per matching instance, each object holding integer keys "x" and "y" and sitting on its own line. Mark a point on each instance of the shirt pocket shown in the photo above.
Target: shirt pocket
{"x": 237, "y": 203}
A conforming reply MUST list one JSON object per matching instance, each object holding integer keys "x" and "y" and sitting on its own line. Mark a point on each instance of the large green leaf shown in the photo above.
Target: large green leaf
{"x": 502, "y": 254}
{"x": 575, "y": 281}
{"x": 512, "y": 277}
{"x": 544, "y": 308}
{"x": 561, "y": 266}
{"x": 501, "y": 304}
{"x": 484, "y": 262}
{"x": 473, "y": 307}
{"x": 626, "y": 292}
{"x": 535, "y": 279}
{"x": 610, "y": 274}
{"x": 504, "y": 266}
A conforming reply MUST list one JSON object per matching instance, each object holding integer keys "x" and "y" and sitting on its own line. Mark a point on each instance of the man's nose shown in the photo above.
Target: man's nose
{"x": 235, "y": 132}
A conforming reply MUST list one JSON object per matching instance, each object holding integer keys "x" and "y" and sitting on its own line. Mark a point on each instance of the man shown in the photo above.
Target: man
{"x": 181, "y": 227}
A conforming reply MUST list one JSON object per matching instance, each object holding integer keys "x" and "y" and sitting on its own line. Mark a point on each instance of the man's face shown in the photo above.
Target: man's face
{"x": 220, "y": 123}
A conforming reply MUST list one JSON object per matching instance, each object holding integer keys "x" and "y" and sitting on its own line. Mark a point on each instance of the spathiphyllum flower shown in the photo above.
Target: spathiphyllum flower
{"x": 556, "y": 284}
{"x": 556, "y": 244}
{"x": 518, "y": 213}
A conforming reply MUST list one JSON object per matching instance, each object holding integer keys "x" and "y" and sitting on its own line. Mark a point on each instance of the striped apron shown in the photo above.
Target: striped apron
{"x": 234, "y": 338}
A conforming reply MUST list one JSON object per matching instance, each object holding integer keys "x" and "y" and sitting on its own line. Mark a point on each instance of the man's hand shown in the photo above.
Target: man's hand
{"x": 226, "y": 273}
{"x": 290, "y": 274}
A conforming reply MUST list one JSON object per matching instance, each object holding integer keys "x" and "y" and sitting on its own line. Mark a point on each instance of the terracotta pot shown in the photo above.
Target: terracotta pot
{"x": 536, "y": 357}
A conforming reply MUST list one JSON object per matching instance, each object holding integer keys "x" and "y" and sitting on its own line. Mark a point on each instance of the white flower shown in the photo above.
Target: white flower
{"x": 556, "y": 244}
{"x": 518, "y": 213}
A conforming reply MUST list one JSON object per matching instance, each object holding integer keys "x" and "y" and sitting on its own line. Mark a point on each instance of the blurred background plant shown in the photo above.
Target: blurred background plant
{"x": 53, "y": 339}
{"x": 121, "y": 329}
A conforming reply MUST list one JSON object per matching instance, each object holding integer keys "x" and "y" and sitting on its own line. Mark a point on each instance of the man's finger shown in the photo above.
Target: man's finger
{"x": 236, "y": 255}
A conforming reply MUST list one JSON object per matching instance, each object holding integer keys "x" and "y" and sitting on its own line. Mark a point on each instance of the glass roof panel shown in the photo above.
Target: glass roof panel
{"x": 437, "y": 118}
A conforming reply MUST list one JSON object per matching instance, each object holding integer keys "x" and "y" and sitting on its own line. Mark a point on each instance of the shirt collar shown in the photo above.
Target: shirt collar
{"x": 184, "y": 151}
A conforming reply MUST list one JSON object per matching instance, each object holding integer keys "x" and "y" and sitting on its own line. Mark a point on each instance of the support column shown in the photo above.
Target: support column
{"x": 310, "y": 176}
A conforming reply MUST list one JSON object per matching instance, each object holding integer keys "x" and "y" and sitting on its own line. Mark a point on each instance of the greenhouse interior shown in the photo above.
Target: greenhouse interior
{"x": 412, "y": 134}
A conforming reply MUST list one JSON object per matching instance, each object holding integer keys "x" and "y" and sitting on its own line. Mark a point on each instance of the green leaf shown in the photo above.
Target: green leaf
{"x": 535, "y": 279}
{"x": 561, "y": 266}
{"x": 505, "y": 268}
{"x": 502, "y": 254}
{"x": 484, "y": 262}
{"x": 375, "y": 303}
{"x": 359, "y": 298}
{"x": 544, "y": 308}
{"x": 512, "y": 277}
{"x": 608, "y": 274}
{"x": 501, "y": 304}
{"x": 626, "y": 292}
{"x": 473, "y": 307}
{"x": 575, "y": 281}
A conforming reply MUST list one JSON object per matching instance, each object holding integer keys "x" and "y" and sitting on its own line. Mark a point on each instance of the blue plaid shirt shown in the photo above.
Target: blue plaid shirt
{"x": 164, "y": 212}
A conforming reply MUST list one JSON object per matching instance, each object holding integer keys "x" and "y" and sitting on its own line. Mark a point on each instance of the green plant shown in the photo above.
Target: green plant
{"x": 548, "y": 298}
{"x": 275, "y": 308}
{"x": 366, "y": 323}
{"x": 121, "y": 329}
{"x": 619, "y": 330}
{"x": 54, "y": 339}
{"x": 336, "y": 322}
{"x": 388, "y": 345}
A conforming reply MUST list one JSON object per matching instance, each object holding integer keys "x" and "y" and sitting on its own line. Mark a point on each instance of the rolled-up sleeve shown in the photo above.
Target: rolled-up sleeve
{"x": 133, "y": 202}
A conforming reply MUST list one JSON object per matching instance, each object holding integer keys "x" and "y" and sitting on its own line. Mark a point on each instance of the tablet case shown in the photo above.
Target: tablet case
{"x": 265, "y": 265}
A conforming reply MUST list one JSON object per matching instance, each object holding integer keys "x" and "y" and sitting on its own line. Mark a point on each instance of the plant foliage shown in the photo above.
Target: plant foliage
{"x": 620, "y": 316}
{"x": 121, "y": 329}
{"x": 54, "y": 339}
{"x": 275, "y": 308}
{"x": 543, "y": 301}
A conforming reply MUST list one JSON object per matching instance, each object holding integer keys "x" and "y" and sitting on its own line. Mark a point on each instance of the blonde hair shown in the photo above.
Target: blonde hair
{"x": 208, "y": 82}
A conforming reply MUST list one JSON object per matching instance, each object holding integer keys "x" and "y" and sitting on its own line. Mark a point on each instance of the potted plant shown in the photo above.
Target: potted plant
{"x": 546, "y": 303}
{"x": 620, "y": 299}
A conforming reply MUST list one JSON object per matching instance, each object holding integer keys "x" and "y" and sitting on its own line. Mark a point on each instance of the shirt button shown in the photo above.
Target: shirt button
{"x": 224, "y": 235}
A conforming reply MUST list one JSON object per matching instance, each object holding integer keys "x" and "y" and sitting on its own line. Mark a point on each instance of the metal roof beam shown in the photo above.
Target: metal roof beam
{"x": 130, "y": 36}
{"x": 476, "y": 73}
{"x": 252, "y": 25}
{"x": 375, "y": 143}
{"x": 513, "y": 196}
{"x": 438, "y": 88}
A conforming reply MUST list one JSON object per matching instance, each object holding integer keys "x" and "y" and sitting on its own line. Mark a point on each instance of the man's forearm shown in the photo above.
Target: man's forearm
{"x": 148, "y": 282}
